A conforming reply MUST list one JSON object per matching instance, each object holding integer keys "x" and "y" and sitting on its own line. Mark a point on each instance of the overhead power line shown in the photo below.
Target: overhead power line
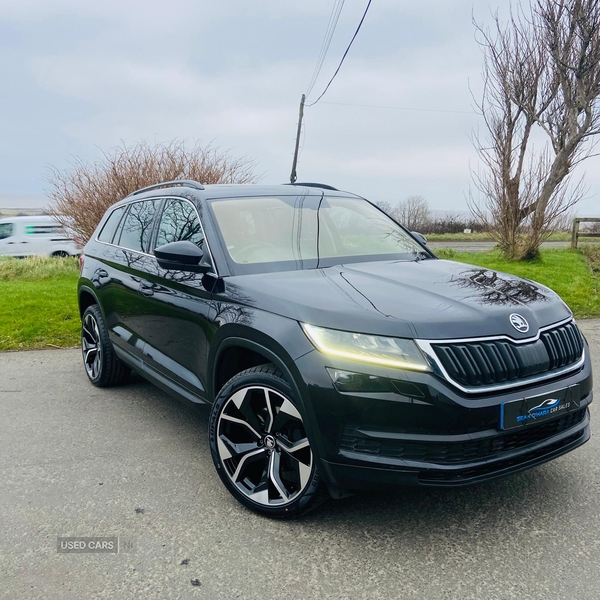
{"x": 333, "y": 20}
{"x": 345, "y": 54}
{"x": 434, "y": 110}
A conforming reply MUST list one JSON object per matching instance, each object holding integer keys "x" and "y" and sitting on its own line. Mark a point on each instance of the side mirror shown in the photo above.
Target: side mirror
{"x": 419, "y": 237}
{"x": 182, "y": 256}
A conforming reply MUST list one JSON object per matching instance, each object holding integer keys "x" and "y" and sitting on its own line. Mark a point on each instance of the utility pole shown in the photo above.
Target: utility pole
{"x": 293, "y": 175}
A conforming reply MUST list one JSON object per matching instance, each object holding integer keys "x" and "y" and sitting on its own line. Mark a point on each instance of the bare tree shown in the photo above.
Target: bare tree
{"x": 413, "y": 212}
{"x": 81, "y": 194}
{"x": 541, "y": 84}
{"x": 386, "y": 207}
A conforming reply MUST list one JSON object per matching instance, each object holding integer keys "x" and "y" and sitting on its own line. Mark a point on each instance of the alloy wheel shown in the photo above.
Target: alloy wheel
{"x": 263, "y": 446}
{"x": 91, "y": 347}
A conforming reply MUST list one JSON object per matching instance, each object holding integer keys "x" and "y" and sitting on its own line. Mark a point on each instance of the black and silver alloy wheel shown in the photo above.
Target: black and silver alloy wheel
{"x": 90, "y": 346}
{"x": 102, "y": 366}
{"x": 260, "y": 445}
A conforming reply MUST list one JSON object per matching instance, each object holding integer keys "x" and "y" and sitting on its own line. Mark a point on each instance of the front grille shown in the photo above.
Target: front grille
{"x": 447, "y": 453}
{"x": 498, "y": 361}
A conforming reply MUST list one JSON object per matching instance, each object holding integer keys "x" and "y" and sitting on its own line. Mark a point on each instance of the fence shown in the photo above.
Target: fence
{"x": 576, "y": 235}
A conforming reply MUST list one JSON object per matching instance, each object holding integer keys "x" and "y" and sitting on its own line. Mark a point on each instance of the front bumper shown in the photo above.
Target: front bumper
{"x": 426, "y": 432}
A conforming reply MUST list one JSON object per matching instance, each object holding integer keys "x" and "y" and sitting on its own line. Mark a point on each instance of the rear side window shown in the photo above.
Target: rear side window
{"x": 6, "y": 230}
{"x": 108, "y": 231}
{"x": 179, "y": 221}
{"x": 136, "y": 232}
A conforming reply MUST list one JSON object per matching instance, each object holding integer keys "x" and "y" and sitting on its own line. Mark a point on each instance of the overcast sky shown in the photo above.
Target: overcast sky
{"x": 80, "y": 76}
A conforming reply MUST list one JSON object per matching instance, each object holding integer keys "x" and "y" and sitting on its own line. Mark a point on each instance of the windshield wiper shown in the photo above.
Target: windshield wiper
{"x": 420, "y": 255}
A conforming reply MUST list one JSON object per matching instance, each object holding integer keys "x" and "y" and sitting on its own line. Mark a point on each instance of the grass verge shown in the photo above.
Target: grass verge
{"x": 568, "y": 273}
{"x": 38, "y": 303}
{"x": 592, "y": 254}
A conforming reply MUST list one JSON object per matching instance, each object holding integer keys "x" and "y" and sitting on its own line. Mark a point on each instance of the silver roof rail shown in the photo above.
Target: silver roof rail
{"x": 182, "y": 182}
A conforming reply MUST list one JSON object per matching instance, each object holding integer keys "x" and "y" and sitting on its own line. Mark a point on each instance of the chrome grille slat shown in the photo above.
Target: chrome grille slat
{"x": 490, "y": 362}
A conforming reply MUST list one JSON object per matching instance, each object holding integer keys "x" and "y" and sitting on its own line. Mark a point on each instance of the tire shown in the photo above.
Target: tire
{"x": 259, "y": 445}
{"x": 60, "y": 254}
{"x": 101, "y": 364}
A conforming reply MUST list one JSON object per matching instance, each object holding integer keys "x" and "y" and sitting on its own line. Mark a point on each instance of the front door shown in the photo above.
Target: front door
{"x": 177, "y": 326}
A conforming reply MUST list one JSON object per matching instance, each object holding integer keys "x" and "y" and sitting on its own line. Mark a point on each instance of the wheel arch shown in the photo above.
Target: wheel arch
{"x": 220, "y": 374}
{"x": 86, "y": 297}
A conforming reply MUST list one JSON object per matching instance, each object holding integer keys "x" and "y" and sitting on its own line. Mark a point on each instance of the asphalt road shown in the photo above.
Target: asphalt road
{"x": 132, "y": 462}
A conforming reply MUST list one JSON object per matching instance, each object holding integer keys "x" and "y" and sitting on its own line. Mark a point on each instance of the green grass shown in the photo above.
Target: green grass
{"x": 567, "y": 272}
{"x": 38, "y": 303}
{"x": 592, "y": 254}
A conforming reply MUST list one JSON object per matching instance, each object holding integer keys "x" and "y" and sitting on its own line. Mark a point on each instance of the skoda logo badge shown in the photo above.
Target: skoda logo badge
{"x": 519, "y": 323}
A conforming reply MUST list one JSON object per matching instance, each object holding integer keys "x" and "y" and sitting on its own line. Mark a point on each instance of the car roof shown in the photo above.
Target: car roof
{"x": 241, "y": 190}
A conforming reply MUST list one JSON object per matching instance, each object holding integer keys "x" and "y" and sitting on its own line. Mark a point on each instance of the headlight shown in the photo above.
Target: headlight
{"x": 375, "y": 349}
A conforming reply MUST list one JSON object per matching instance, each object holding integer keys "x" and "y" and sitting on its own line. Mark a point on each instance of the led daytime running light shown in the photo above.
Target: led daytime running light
{"x": 315, "y": 335}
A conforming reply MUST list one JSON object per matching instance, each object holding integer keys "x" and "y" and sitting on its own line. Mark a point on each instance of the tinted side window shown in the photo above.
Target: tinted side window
{"x": 6, "y": 230}
{"x": 106, "y": 235}
{"x": 137, "y": 226}
{"x": 179, "y": 222}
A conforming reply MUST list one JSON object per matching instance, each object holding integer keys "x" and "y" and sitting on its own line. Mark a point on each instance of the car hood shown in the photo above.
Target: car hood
{"x": 427, "y": 299}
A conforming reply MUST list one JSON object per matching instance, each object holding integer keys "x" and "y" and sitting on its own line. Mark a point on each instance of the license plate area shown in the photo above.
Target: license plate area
{"x": 538, "y": 409}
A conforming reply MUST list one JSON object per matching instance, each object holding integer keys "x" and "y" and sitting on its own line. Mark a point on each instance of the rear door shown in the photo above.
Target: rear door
{"x": 126, "y": 262}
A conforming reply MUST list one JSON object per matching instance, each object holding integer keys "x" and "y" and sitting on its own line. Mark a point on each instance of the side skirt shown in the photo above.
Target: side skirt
{"x": 158, "y": 379}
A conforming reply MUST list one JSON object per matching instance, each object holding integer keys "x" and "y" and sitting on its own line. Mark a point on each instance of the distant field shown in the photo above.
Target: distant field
{"x": 14, "y": 212}
{"x": 484, "y": 237}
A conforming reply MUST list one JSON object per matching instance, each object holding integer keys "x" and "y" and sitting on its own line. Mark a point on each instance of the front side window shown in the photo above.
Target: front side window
{"x": 108, "y": 231}
{"x": 136, "y": 232}
{"x": 6, "y": 230}
{"x": 299, "y": 232}
{"x": 179, "y": 222}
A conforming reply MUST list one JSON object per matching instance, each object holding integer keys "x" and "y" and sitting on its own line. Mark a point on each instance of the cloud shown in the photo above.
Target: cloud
{"x": 89, "y": 75}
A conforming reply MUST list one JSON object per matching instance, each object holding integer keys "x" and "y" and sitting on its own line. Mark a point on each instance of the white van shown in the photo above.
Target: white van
{"x": 42, "y": 236}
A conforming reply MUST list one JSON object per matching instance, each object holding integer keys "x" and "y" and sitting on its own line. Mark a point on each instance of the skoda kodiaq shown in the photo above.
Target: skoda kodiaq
{"x": 337, "y": 352}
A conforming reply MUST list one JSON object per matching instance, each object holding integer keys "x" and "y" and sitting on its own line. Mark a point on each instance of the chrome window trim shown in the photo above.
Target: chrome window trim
{"x": 210, "y": 254}
{"x": 426, "y": 347}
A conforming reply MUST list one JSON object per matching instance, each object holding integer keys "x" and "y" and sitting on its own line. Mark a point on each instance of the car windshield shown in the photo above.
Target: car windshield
{"x": 302, "y": 232}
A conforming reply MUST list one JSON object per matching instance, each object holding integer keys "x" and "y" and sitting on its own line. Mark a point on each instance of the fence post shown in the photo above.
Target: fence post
{"x": 575, "y": 234}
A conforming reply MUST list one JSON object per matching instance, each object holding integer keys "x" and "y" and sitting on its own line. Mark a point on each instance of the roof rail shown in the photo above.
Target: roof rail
{"x": 182, "y": 182}
{"x": 316, "y": 185}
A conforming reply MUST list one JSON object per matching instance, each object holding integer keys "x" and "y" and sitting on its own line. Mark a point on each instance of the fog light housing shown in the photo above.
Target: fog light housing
{"x": 348, "y": 381}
